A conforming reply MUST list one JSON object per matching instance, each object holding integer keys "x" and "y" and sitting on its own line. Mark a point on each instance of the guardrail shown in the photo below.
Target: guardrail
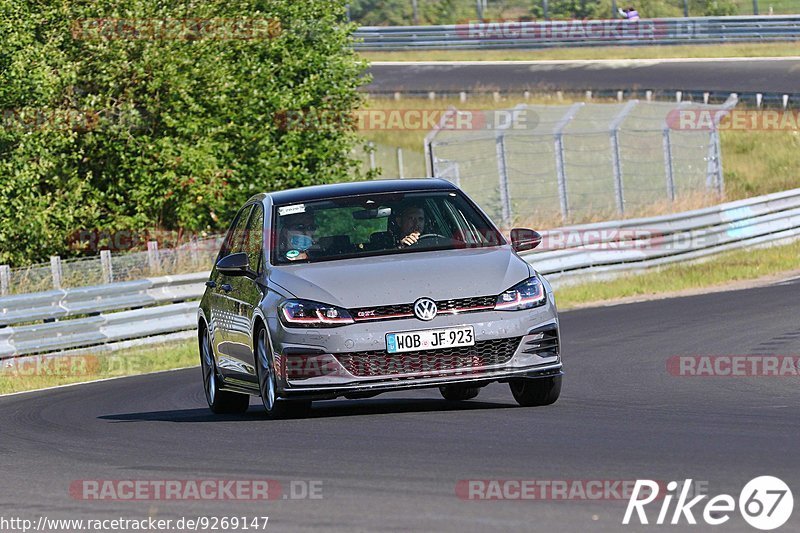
{"x": 568, "y": 254}
{"x": 608, "y": 248}
{"x": 569, "y": 33}
{"x": 65, "y": 303}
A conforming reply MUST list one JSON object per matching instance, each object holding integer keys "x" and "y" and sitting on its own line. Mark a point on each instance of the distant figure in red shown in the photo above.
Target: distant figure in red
{"x": 629, "y": 13}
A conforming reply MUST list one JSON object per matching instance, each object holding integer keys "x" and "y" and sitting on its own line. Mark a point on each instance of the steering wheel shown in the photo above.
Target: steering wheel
{"x": 430, "y": 236}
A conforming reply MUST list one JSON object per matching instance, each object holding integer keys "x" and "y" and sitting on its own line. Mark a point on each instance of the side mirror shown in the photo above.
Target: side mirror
{"x": 236, "y": 265}
{"x": 524, "y": 239}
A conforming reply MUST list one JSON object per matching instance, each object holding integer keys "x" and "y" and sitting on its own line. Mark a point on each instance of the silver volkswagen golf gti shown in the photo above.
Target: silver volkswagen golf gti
{"x": 361, "y": 288}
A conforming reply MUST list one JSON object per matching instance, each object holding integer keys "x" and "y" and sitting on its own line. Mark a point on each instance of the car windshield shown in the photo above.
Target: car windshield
{"x": 379, "y": 224}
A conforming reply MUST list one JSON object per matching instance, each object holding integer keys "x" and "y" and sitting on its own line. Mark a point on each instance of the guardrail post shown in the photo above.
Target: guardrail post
{"x": 5, "y": 280}
{"x": 193, "y": 250}
{"x": 153, "y": 259}
{"x": 617, "y": 165}
{"x": 400, "y": 170}
{"x": 105, "y": 262}
{"x": 755, "y": 7}
{"x": 615, "y": 154}
{"x": 428, "y": 158}
{"x": 371, "y": 155}
{"x": 668, "y": 164}
{"x": 558, "y": 149}
{"x": 55, "y": 271}
{"x": 714, "y": 179}
{"x": 502, "y": 173}
{"x": 720, "y": 175}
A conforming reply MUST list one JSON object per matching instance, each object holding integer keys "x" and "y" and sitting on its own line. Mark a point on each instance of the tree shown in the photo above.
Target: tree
{"x": 131, "y": 114}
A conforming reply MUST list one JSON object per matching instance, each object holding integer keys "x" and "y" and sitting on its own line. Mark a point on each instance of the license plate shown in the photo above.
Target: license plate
{"x": 430, "y": 339}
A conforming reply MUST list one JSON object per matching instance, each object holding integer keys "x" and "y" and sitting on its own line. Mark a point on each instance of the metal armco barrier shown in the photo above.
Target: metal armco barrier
{"x": 569, "y": 33}
{"x": 64, "y": 303}
{"x": 101, "y": 329}
{"x": 566, "y": 254}
{"x": 602, "y": 250}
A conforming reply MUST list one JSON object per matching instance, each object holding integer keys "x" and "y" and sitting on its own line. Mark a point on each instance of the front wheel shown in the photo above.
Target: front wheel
{"x": 537, "y": 391}
{"x": 268, "y": 385}
{"x": 219, "y": 401}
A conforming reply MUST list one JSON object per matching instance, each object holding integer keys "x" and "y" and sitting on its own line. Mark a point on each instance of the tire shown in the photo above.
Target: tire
{"x": 219, "y": 401}
{"x": 275, "y": 407}
{"x": 458, "y": 393}
{"x": 537, "y": 391}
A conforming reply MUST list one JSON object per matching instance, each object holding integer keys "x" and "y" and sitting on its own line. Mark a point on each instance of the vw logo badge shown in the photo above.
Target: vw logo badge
{"x": 425, "y": 309}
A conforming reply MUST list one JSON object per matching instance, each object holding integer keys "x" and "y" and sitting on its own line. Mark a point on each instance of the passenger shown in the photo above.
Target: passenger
{"x": 297, "y": 235}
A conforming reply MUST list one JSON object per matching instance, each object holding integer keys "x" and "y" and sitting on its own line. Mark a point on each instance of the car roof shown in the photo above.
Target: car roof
{"x": 355, "y": 188}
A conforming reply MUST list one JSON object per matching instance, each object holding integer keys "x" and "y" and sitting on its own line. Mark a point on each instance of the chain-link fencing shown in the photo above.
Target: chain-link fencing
{"x": 110, "y": 267}
{"x": 580, "y": 162}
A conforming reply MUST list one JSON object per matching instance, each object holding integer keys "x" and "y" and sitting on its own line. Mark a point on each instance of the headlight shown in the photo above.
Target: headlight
{"x": 306, "y": 314}
{"x": 525, "y": 295}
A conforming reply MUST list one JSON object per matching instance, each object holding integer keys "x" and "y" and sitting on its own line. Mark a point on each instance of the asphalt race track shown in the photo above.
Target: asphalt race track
{"x": 393, "y": 462}
{"x": 736, "y": 75}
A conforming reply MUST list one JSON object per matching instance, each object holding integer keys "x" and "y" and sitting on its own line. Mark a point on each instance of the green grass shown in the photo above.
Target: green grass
{"x": 721, "y": 270}
{"x": 594, "y": 52}
{"x": 43, "y": 372}
{"x": 760, "y": 162}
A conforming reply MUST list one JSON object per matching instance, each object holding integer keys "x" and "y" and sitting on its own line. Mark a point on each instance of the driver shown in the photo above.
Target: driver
{"x": 297, "y": 235}
{"x": 412, "y": 223}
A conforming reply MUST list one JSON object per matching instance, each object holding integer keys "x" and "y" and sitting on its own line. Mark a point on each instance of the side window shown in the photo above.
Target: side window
{"x": 254, "y": 237}
{"x": 233, "y": 239}
{"x": 227, "y": 243}
{"x": 240, "y": 230}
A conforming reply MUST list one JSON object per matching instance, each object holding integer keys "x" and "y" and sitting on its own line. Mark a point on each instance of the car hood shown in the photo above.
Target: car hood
{"x": 403, "y": 278}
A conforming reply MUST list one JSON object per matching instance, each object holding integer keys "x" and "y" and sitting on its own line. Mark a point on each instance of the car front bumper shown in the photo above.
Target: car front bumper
{"x": 352, "y": 360}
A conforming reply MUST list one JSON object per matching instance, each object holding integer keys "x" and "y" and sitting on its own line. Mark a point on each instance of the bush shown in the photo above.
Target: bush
{"x": 141, "y": 124}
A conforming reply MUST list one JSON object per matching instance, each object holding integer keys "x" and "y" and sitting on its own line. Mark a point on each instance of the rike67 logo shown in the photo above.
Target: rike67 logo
{"x": 765, "y": 503}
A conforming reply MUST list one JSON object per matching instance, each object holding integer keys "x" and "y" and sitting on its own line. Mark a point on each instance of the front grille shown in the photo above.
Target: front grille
{"x": 466, "y": 304}
{"x": 382, "y": 363}
{"x": 390, "y": 312}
